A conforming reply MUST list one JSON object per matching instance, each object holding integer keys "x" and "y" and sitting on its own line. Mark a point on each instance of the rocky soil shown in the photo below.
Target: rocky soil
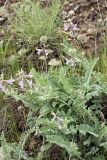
{"x": 86, "y": 23}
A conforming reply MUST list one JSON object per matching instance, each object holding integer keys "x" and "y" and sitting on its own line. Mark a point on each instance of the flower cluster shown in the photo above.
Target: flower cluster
{"x": 22, "y": 81}
{"x": 44, "y": 51}
{"x": 72, "y": 59}
{"x": 70, "y": 26}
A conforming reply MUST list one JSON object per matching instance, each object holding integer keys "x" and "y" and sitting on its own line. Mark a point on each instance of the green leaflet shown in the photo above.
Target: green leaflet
{"x": 63, "y": 142}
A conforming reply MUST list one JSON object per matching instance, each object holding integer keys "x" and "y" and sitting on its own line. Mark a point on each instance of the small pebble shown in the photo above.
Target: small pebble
{"x": 71, "y": 4}
{"x": 66, "y": 3}
{"x": 71, "y": 13}
{"x": 91, "y": 31}
{"x": 76, "y": 8}
{"x": 67, "y": 8}
{"x": 64, "y": 15}
{"x": 83, "y": 38}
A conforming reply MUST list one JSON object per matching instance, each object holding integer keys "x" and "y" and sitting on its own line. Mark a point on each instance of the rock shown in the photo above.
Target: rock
{"x": 91, "y": 31}
{"x": 67, "y": 8}
{"x": 71, "y": 13}
{"x": 64, "y": 15}
{"x": 42, "y": 58}
{"x": 76, "y": 8}
{"x": 71, "y": 4}
{"x": 66, "y": 3}
{"x": 22, "y": 51}
{"x": 54, "y": 62}
{"x": 92, "y": 9}
{"x": 83, "y": 38}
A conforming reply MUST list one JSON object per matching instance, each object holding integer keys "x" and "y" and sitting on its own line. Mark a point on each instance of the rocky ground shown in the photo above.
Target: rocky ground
{"x": 86, "y": 23}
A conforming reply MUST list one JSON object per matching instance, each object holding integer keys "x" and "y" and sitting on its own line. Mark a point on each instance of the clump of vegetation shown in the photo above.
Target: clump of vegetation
{"x": 55, "y": 96}
{"x": 30, "y": 37}
{"x": 69, "y": 112}
{"x": 32, "y": 21}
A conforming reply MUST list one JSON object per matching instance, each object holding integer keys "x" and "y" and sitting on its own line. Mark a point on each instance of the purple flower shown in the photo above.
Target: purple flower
{"x": 21, "y": 84}
{"x": 70, "y": 26}
{"x": 39, "y": 51}
{"x": 74, "y": 27}
{"x": 66, "y": 26}
{"x": 10, "y": 81}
